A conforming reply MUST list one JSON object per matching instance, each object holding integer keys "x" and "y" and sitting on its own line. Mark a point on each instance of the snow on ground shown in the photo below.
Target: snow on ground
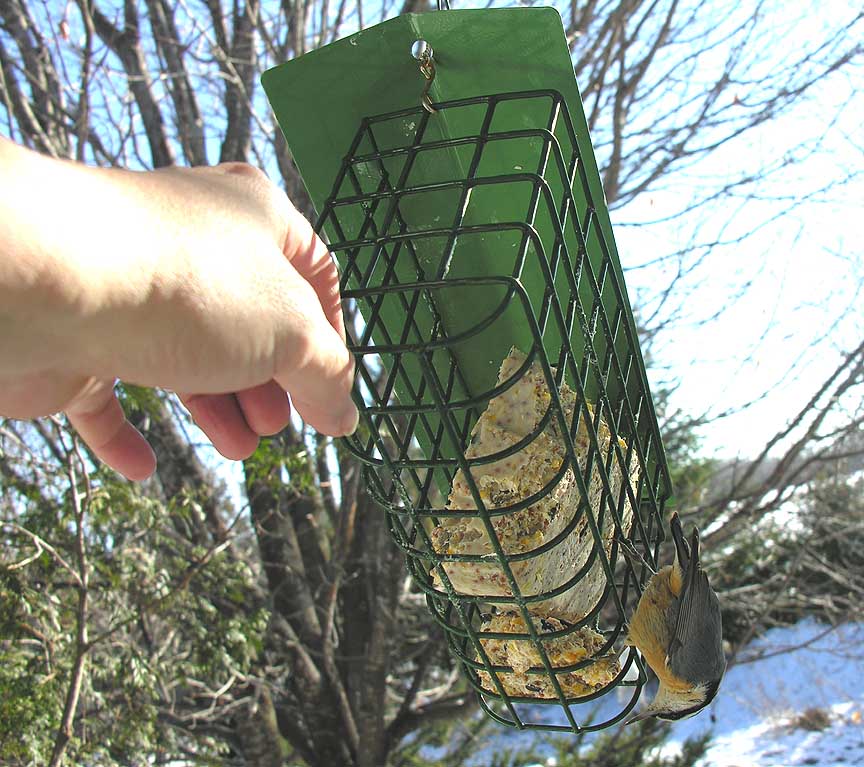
{"x": 781, "y": 742}
{"x": 764, "y": 709}
{"x": 795, "y": 697}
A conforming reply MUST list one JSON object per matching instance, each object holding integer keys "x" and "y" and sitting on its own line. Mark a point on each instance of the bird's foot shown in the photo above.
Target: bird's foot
{"x": 630, "y": 551}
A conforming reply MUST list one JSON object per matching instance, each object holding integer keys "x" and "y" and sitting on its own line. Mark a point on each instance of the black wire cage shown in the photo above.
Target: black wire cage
{"x": 462, "y": 230}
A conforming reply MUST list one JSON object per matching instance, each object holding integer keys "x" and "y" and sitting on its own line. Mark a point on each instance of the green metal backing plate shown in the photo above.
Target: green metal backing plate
{"x": 321, "y": 98}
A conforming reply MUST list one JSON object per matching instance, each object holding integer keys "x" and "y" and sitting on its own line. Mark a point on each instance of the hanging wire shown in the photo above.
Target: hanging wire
{"x": 422, "y": 51}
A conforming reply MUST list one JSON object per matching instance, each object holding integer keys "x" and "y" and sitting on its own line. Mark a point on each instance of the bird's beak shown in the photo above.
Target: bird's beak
{"x": 639, "y": 717}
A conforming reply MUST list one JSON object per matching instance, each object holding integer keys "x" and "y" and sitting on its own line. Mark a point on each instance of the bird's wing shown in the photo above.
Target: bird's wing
{"x": 696, "y": 649}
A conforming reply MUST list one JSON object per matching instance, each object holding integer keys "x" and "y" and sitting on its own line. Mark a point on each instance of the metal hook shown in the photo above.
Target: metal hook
{"x": 422, "y": 51}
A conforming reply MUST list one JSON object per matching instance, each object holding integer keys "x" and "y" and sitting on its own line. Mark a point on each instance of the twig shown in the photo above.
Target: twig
{"x": 160, "y": 601}
{"x": 42, "y": 545}
{"x": 756, "y": 656}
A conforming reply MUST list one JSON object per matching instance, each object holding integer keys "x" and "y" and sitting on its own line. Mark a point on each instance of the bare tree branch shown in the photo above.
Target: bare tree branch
{"x": 190, "y": 124}
{"x": 126, "y": 45}
{"x": 80, "y": 504}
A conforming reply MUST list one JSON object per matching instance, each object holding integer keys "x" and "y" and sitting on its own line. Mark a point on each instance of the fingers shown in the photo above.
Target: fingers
{"x": 265, "y": 408}
{"x": 233, "y": 423}
{"x": 316, "y": 368}
{"x": 320, "y": 386}
{"x": 219, "y": 416}
{"x": 311, "y": 360}
{"x": 327, "y": 419}
{"x": 310, "y": 257}
{"x": 312, "y": 363}
{"x": 101, "y": 423}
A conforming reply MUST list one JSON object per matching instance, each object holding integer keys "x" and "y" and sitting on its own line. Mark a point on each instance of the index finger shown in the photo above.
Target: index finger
{"x": 99, "y": 420}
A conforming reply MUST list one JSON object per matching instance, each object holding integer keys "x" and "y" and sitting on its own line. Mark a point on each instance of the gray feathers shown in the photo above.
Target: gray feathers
{"x": 696, "y": 650}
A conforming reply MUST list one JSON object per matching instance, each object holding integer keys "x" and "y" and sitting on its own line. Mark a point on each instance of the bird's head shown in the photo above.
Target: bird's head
{"x": 672, "y": 704}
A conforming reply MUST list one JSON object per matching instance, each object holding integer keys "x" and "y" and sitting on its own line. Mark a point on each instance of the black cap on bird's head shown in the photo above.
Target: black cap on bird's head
{"x": 674, "y": 705}
{"x": 686, "y": 713}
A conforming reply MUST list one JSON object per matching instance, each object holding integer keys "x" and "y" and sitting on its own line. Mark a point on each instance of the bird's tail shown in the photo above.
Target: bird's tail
{"x": 682, "y": 548}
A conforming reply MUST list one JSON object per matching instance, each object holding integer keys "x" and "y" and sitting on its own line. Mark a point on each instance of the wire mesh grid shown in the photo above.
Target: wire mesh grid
{"x": 460, "y": 234}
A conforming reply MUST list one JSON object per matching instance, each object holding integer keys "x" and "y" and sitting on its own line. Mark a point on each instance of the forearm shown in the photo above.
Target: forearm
{"x": 62, "y": 262}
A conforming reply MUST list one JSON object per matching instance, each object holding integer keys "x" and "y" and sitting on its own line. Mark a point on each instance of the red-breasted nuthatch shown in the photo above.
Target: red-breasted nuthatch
{"x": 677, "y": 629}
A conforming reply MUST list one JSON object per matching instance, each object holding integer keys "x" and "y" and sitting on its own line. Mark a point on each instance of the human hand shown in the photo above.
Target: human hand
{"x": 202, "y": 281}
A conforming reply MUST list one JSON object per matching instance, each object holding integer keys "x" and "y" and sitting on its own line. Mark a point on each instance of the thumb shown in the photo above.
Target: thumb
{"x": 318, "y": 371}
{"x": 320, "y": 386}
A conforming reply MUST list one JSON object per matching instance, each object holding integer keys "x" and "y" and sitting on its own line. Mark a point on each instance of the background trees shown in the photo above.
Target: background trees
{"x": 262, "y": 617}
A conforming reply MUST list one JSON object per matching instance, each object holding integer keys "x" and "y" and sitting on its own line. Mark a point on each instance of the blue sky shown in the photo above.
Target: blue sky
{"x": 772, "y": 311}
{"x": 767, "y": 316}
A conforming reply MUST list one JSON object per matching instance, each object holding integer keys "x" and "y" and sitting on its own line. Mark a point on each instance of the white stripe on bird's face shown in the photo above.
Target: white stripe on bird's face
{"x": 669, "y": 701}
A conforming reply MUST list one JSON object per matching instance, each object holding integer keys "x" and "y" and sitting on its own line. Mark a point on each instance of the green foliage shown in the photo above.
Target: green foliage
{"x": 689, "y": 471}
{"x": 807, "y": 561}
{"x": 31, "y": 704}
{"x": 634, "y": 746}
{"x": 266, "y": 464}
{"x": 12, "y": 602}
{"x": 279, "y": 465}
{"x": 139, "y": 397}
{"x": 167, "y": 621}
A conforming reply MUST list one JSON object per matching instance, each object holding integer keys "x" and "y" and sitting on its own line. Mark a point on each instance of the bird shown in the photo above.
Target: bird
{"x": 678, "y": 629}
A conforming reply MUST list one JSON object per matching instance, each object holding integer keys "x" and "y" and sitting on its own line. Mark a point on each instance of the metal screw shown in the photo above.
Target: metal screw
{"x": 421, "y": 50}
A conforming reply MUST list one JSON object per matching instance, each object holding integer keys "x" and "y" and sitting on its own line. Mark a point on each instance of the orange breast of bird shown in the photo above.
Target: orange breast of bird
{"x": 649, "y": 630}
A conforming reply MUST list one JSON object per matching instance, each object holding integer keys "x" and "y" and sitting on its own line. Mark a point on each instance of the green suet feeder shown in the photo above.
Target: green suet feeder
{"x": 449, "y": 159}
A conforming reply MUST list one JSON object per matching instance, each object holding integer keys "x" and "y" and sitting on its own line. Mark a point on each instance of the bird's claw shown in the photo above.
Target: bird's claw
{"x": 630, "y": 551}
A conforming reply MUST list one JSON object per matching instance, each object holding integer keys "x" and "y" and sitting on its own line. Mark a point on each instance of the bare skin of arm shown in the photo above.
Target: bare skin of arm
{"x": 202, "y": 281}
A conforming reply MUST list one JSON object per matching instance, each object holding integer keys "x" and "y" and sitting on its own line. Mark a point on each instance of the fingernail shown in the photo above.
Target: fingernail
{"x": 349, "y": 421}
